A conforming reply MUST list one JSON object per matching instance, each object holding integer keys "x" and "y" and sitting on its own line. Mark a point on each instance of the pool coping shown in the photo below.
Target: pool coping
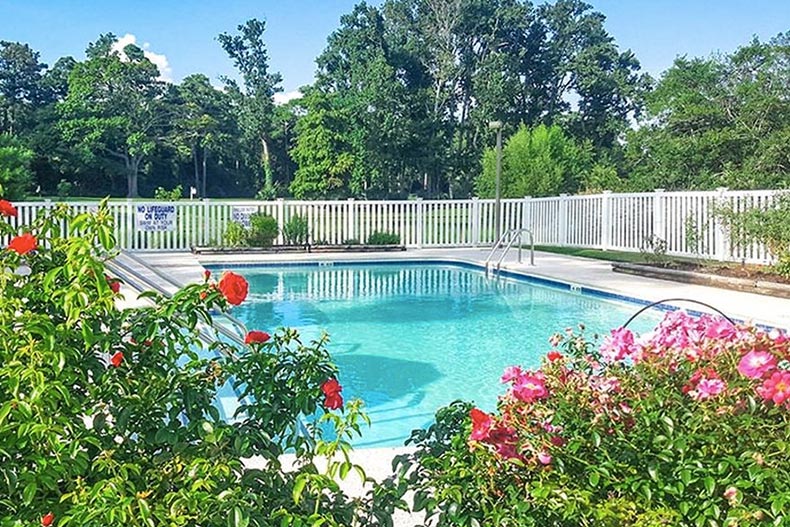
{"x": 469, "y": 264}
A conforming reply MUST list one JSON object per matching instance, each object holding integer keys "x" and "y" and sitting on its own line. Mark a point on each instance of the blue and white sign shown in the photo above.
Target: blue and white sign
{"x": 241, "y": 214}
{"x": 155, "y": 218}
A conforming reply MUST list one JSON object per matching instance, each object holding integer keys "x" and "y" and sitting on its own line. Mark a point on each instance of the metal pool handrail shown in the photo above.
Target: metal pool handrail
{"x": 142, "y": 283}
{"x": 233, "y": 320}
{"x": 664, "y": 301}
{"x": 512, "y": 238}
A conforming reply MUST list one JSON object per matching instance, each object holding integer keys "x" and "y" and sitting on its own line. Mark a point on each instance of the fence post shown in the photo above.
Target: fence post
{"x": 131, "y": 224}
{"x": 204, "y": 233}
{"x": 350, "y": 222}
{"x": 721, "y": 235}
{"x": 659, "y": 215}
{"x": 420, "y": 222}
{"x": 474, "y": 221}
{"x": 280, "y": 220}
{"x": 526, "y": 214}
{"x": 606, "y": 220}
{"x": 563, "y": 219}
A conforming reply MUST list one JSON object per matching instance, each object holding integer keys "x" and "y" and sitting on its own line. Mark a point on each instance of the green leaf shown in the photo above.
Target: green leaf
{"x": 651, "y": 470}
{"x": 299, "y": 484}
{"x": 29, "y": 493}
{"x": 238, "y": 518}
{"x": 594, "y": 478}
{"x": 4, "y": 411}
{"x": 709, "y": 484}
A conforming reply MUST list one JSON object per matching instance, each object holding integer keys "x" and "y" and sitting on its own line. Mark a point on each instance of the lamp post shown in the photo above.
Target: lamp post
{"x": 497, "y": 125}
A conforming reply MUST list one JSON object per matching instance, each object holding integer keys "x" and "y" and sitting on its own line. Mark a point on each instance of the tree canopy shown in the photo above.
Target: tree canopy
{"x": 400, "y": 107}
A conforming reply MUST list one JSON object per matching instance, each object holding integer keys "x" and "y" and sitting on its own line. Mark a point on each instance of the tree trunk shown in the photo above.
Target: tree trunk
{"x": 203, "y": 189}
{"x": 132, "y": 167}
{"x": 197, "y": 172}
{"x": 268, "y": 183}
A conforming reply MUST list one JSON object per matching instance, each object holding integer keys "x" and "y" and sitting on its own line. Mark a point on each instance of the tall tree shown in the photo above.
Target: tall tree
{"x": 323, "y": 152}
{"x": 20, "y": 84}
{"x": 255, "y": 97}
{"x": 203, "y": 124}
{"x": 586, "y": 63}
{"x": 375, "y": 76}
{"x": 115, "y": 108}
{"x": 720, "y": 121}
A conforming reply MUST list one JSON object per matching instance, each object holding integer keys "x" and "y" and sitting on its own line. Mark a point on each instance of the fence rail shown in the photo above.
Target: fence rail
{"x": 685, "y": 221}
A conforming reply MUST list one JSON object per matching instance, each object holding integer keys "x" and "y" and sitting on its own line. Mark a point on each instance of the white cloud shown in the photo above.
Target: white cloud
{"x": 158, "y": 59}
{"x": 283, "y": 98}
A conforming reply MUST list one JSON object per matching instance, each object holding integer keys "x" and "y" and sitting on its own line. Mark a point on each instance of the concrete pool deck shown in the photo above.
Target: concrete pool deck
{"x": 184, "y": 268}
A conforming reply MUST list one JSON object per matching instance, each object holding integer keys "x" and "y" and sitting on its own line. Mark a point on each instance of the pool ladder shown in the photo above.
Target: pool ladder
{"x": 507, "y": 240}
{"x": 142, "y": 276}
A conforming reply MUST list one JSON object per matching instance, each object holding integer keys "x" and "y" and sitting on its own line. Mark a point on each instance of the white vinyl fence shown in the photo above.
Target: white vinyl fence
{"x": 684, "y": 221}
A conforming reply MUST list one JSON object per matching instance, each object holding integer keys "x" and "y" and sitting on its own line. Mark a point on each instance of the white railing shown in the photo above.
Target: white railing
{"x": 685, "y": 221}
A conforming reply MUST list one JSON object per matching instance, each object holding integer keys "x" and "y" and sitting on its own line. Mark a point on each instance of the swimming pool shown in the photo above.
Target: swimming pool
{"x": 412, "y": 337}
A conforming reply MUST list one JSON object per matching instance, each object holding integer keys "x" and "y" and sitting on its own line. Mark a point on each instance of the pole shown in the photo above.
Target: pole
{"x": 498, "y": 205}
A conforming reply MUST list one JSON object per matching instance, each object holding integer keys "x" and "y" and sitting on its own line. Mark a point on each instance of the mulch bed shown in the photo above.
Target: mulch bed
{"x": 751, "y": 279}
{"x": 760, "y": 273}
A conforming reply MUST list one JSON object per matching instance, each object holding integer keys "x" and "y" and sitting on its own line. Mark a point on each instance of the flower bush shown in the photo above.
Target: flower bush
{"x": 688, "y": 425}
{"x": 109, "y": 416}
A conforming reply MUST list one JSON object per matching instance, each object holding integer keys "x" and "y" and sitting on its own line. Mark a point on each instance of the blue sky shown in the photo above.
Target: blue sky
{"x": 184, "y": 31}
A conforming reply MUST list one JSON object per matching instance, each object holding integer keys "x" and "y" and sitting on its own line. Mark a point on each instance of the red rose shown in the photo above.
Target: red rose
{"x": 7, "y": 209}
{"x": 23, "y": 244}
{"x": 117, "y": 359}
{"x": 554, "y": 355}
{"x": 47, "y": 519}
{"x": 256, "y": 337}
{"x": 206, "y": 275}
{"x": 114, "y": 283}
{"x": 331, "y": 386}
{"x": 334, "y": 401}
{"x": 233, "y": 287}
{"x": 331, "y": 389}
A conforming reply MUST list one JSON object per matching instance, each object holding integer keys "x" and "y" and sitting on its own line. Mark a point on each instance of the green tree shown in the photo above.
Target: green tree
{"x": 541, "y": 161}
{"x": 15, "y": 174}
{"x": 718, "y": 121}
{"x": 203, "y": 124}
{"x": 115, "y": 109}
{"x": 20, "y": 84}
{"x": 386, "y": 92}
{"x": 254, "y": 100}
{"x": 325, "y": 158}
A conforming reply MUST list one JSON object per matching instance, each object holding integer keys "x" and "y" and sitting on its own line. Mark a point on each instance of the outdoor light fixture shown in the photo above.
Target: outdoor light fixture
{"x": 497, "y": 125}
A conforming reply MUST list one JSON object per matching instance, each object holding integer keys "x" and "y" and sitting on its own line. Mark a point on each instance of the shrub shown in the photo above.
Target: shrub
{"x": 15, "y": 173}
{"x": 169, "y": 195}
{"x": 263, "y": 230}
{"x": 654, "y": 250}
{"x": 235, "y": 235}
{"x": 540, "y": 161}
{"x": 65, "y": 188}
{"x": 769, "y": 226}
{"x": 108, "y": 416}
{"x": 295, "y": 230}
{"x": 686, "y": 426}
{"x": 383, "y": 238}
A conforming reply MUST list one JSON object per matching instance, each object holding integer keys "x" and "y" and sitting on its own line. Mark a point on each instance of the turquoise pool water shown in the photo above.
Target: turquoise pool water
{"x": 410, "y": 338}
